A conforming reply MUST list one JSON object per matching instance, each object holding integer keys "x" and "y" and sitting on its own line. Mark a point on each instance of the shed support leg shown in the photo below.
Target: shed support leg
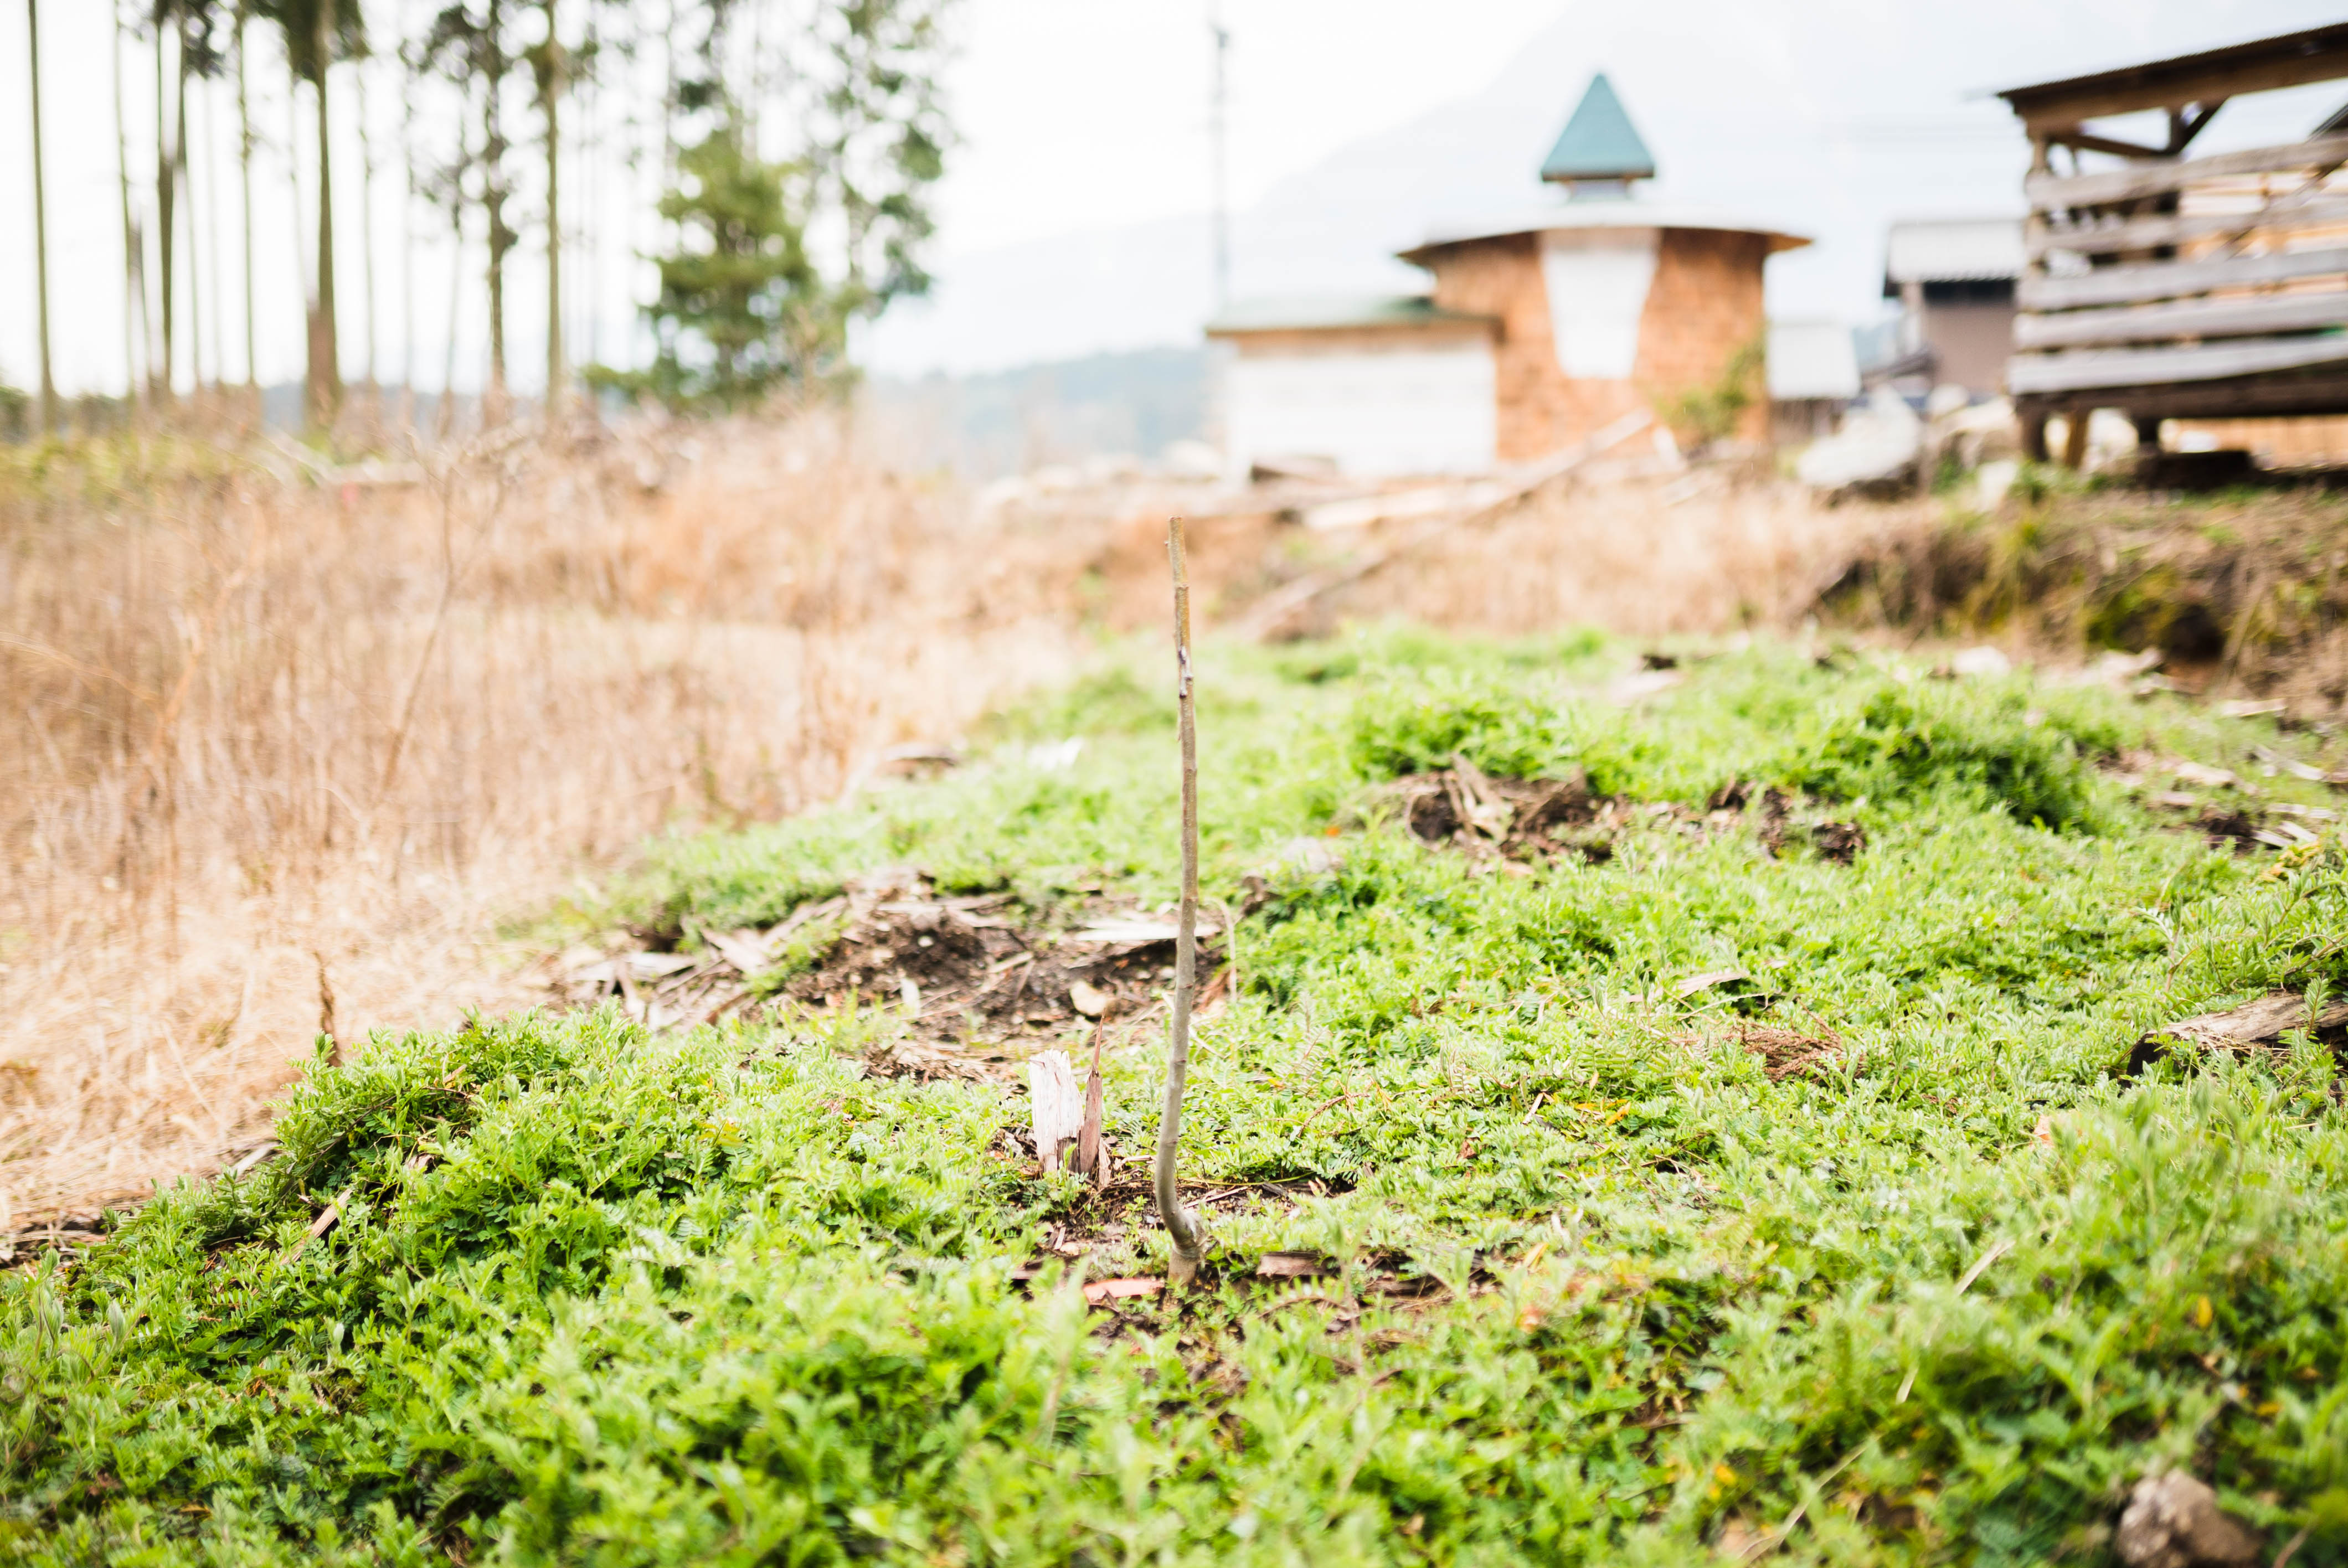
{"x": 2033, "y": 438}
{"x": 2074, "y": 443}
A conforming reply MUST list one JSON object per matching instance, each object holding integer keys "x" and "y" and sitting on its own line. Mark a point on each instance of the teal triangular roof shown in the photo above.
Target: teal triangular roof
{"x": 1599, "y": 142}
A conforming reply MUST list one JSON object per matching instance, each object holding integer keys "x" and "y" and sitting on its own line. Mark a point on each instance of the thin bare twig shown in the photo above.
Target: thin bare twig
{"x": 1181, "y": 1224}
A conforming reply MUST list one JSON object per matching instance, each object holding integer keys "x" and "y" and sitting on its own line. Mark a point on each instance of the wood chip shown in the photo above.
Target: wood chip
{"x": 1136, "y": 933}
{"x": 1101, "y": 1290}
{"x": 1057, "y": 1109}
{"x": 1092, "y": 1150}
{"x": 1292, "y": 1265}
{"x": 745, "y": 949}
{"x": 1707, "y": 981}
{"x": 331, "y": 1214}
{"x": 2254, "y": 1025}
{"x": 2203, "y": 776}
{"x": 1087, "y": 1000}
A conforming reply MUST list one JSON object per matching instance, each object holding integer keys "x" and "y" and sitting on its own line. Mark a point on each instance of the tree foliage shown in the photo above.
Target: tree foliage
{"x": 741, "y": 307}
{"x": 774, "y": 260}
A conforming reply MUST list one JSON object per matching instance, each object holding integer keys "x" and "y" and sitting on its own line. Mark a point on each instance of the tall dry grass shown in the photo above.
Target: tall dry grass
{"x": 1712, "y": 550}
{"x": 1625, "y": 548}
{"x": 277, "y": 752}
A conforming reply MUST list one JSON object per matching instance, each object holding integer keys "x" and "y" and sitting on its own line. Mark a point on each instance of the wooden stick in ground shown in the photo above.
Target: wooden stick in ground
{"x": 1181, "y": 1226}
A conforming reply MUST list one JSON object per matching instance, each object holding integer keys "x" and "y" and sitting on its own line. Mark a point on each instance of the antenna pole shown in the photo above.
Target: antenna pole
{"x": 1219, "y": 138}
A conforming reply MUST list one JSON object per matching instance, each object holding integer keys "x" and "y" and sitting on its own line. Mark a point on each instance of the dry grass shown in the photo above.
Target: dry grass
{"x": 1640, "y": 554}
{"x": 276, "y": 756}
{"x": 1708, "y": 551}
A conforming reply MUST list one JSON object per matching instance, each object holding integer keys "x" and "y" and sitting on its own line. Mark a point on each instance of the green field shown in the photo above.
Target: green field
{"x": 1877, "y": 1254}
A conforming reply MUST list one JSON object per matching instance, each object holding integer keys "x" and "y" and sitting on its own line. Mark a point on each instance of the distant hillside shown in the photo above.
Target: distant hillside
{"x": 1010, "y": 421}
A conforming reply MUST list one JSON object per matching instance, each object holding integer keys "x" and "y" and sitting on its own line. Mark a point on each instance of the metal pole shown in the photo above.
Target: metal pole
{"x": 1219, "y": 137}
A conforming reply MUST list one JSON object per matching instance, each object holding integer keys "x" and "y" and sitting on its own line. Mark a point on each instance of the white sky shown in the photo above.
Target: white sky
{"x": 1077, "y": 116}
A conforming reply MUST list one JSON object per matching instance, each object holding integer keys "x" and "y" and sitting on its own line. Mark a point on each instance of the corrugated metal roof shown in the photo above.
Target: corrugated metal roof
{"x": 1626, "y": 214}
{"x": 1331, "y": 313}
{"x": 1599, "y": 142}
{"x": 1951, "y": 250}
{"x": 1811, "y": 359}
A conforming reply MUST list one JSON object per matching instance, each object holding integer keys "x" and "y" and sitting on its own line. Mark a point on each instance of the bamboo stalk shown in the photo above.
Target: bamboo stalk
{"x": 1181, "y": 1224}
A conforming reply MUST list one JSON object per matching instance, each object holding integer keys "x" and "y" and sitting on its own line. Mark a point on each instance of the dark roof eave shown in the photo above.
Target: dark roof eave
{"x": 1456, "y": 319}
{"x": 1419, "y": 255}
{"x": 2315, "y": 55}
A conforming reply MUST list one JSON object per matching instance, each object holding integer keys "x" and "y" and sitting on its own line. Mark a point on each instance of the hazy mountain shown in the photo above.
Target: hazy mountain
{"x": 1826, "y": 118}
{"x": 1008, "y": 421}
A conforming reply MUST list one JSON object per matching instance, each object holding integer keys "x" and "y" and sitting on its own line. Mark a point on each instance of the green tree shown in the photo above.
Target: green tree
{"x": 882, "y": 144}
{"x": 741, "y": 308}
{"x": 775, "y": 261}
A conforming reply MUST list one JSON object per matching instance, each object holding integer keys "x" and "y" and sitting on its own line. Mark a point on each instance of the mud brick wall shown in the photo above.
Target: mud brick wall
{"x": 1703, "y": 304}
{"x": 1540, "y": 410}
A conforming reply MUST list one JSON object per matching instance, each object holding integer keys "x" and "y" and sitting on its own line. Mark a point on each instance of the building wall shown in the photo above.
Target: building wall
{"x": 1972, "y": 343}
{"x": 1540, "y": 409}
{"x": 1377, "y": 402}
{"x": 1597, "y": 283}
{"x": 1703, "y": 303}
{"x": 1705, "y": 306}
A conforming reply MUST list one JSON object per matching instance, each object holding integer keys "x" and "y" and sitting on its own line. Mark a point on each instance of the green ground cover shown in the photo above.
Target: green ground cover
{"x": 1606, "y": 1289}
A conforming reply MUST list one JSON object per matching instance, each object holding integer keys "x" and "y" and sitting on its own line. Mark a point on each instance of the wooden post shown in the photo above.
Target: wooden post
{"x": 2075, "y": 440}
{"x": 1181, "y": 1226}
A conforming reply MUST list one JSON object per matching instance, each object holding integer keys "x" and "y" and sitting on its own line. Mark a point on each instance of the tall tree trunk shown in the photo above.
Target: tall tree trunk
{"x": 167, "y": 181}
{"x": 199, "y": 270}
{"x": 135, "y": 326}
{"x": 591, "y": 221}
{"x": 408, "y": 256}
{"x": 299, "y": 229}
{"x": 445, "y": 416}
{"x": 40, "y": 219}
{"x": 366, "y": 231}
{"x": 493, "y": 195}
{"x": 245, "y": 161}
{"x": 325, "y": 389}
{"x": 208, "y": 106}
{"x": 550, "y": 84}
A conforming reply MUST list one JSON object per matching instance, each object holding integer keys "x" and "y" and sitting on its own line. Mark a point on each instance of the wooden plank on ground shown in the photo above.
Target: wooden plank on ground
{"x": 2186, "y": 318}
{"x": 2287, "y": 216}
{"x": 2054, "y": 191}
{"x": 2169, "y": 280}
{"x": 2027, "y": 373}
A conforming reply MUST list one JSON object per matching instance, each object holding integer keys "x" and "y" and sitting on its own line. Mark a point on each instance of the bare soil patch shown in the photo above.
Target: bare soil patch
{"x": 980, "y": 979}
{"x": 1539, "y": 822}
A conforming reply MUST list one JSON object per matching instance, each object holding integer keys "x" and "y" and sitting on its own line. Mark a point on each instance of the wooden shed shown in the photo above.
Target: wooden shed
{"x": 2174, "y": 287}
{"x": 1573, "y": 314}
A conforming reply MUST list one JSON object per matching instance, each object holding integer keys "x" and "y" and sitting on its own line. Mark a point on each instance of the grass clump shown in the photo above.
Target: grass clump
{"x": 1900, "y": 739}
{"x": 1606, "y": 1282}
